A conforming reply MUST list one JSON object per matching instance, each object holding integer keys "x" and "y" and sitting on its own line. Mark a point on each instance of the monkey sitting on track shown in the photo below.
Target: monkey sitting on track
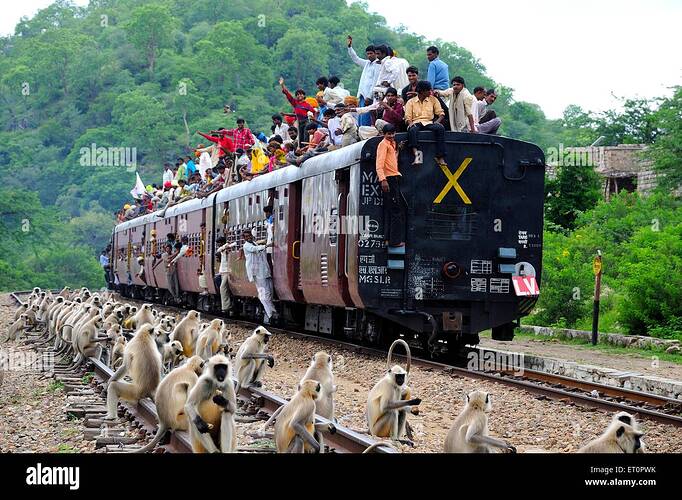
{"x": 618, "y": 437}
{"x": 210, "y": 408}
{"x": 469, "y": 432}
{"x": 171, "y": 354}
{"x": 142, "y": 361}
{"x": 390, "y": 399}
{"x": 186, "y": 332}
{"x": 626, "y": 418}
{"x": 295, "y": 425}
{"x": 209, "y": 340}
{"x": 171, "y": 397}
{"x": 251, "y": 358}
{"x": 320, "y": 369}
{"x": 17, "y": 328}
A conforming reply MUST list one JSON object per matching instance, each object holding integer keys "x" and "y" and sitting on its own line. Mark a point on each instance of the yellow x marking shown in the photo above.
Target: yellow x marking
{"x": 452, "y": 182}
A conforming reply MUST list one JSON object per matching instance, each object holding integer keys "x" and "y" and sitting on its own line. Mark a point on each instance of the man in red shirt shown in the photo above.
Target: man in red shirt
{"x": 221, "y": 139}
{"x": 242, "y": 135}
{"x": 301, "y": 107}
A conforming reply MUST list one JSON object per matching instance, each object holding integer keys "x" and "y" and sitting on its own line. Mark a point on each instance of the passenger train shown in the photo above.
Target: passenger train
{"x": 472, "y": 259}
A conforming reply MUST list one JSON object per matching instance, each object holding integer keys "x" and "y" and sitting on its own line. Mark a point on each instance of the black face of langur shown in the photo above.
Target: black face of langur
{"x": 399, "y": 378}
{"x": 220, "y": 372}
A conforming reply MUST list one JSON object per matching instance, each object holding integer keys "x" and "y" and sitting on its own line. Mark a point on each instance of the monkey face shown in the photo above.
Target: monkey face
{"x": 220, "y": 372}
{"x": 399, "y": 379}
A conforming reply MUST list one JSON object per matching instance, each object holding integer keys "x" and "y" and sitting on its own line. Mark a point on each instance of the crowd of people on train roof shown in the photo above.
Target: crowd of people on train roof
{"x": 391, "y": 96}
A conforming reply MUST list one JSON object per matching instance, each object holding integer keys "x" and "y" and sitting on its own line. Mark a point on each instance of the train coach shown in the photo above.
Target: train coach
{"x": 471, "y": 262}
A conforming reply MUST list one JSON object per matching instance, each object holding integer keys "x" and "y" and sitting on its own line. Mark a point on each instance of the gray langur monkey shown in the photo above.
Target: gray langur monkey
{"x": 171, "y": 397}
{"x": 469, "y": 432}
{"x": 627, "y": 418}
{"x": 390, "y": 399}
{"x": 251, "y": 358}
{"x": 320, "y": 369}
{"x": 618, "y": 437}
{"x": 16, "y": 329}
{"x": 295, "y": 425}
{"x": 186, "y": 332}
{"x": 117, "y": 351}
{"x": 211, "y": 407}
{"x": 142, "y": 362}
{"x": 171, "y": 353}
{"x": 209, "y": 340}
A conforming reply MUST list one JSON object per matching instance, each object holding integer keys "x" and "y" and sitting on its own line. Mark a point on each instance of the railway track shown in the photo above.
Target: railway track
{"x": 557, "y": 387}
{"x": 86, "y": 387}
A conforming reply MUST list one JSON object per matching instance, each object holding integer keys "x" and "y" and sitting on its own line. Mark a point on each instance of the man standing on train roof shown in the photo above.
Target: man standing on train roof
{"x": 300, "y": 105}
{"x": 424, "y": 112}
{"x": 370, "y": 72}
{"x": 460, "y": 107}
{"x": 242, "y": 135}
{"x": 281, "y": 128}
{"x": 258, "y": 271}
{"x": 437, "y": 74}
{"x": 389, "y": 177}
{"x": 191, "y": 166}
{"x": 220, "y": 137}
{"x": 167, "y": 173}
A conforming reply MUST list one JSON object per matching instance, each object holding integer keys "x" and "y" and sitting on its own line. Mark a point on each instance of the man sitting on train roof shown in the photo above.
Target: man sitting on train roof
{"x": 424, "y": 112}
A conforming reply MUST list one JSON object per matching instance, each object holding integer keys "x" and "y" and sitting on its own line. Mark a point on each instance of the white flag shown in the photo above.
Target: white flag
{"x": 139, "y": 188}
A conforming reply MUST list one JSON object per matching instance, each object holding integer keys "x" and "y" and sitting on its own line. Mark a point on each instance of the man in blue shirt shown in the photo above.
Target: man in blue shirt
{"x": 104, "y": 262}
{"x": 191, "y": 167}
{"x": 438, "y": 74}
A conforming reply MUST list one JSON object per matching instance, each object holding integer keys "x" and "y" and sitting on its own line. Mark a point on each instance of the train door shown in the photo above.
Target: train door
{"x": 286, "y": 204}
{"x": 151, "y": 248}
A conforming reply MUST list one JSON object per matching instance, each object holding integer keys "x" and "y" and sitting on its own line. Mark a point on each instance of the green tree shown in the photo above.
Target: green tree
{"x": 575, "y": 189}
{"x": 666, "y": 150}
{"x": 150, "y": 29}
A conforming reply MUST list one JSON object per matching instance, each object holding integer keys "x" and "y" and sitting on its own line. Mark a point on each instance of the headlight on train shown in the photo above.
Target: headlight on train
{"x": 451, "y": 270}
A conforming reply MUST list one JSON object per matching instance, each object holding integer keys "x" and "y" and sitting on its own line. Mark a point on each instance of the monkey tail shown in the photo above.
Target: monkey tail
{"x": 371, "y": 448}
{"x": 161, "y": 431}
{"x": 407, "y": 352}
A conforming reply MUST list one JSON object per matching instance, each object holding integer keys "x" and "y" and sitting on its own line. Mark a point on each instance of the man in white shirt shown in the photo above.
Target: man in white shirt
{"x": 335, "y": 93}
{"x": 388, "y": 71}
{"x": 258, "y": 271}
{"x": 460, "y": 106}
{"x": 225, "y": 294}
{"x": 281, "y": 128}
{"x": 167, "y": 173}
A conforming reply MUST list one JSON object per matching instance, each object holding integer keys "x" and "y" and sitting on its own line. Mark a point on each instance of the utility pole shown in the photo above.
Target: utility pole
{"x": 596, "y": 267}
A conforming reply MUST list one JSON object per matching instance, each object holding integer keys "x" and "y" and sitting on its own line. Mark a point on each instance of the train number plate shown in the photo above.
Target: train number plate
{"x": 526, "y": 286}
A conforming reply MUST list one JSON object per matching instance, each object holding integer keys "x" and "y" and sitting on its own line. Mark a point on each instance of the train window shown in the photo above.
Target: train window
{"x": 286, "y": 192}
{"x": 250, "y": 201}
{"x": 281, "y": 212}
{"x": 257, "y": 198}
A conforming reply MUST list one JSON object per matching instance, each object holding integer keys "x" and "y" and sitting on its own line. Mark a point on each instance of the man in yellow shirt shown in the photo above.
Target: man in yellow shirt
{"x": 424, "y": 112}
{"x": 389, "y": 178}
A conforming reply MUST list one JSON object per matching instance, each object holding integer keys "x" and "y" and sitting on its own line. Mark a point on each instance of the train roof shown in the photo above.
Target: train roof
{"x": 327, "y": 162}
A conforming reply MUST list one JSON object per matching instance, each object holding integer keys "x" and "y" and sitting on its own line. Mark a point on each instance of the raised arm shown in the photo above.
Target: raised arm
{"x": 354, "y": 57}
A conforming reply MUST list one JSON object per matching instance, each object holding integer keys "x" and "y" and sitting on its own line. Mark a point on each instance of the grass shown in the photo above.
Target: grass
{"x": 66, "y": 448}
{"x": 87, "y": 377}
{"x": 55, "y": 385}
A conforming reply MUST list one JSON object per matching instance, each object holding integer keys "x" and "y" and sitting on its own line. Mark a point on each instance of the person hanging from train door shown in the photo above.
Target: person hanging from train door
{"x": 181, "y": 248}
{"x": 226, "y": 305}
{"x": 389, "y": 177}
{"x": 104, "y": 262}
{"x": 269, "y": 220}
{"x": 171, "y": 271}
{"x": 258, "y": 271}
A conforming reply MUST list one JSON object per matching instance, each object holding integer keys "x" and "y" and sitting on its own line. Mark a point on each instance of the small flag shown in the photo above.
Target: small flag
{"x": 139, "y": 188}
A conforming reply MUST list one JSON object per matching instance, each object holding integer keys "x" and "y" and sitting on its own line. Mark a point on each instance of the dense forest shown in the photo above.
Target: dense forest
{"x": 144, "y": 75}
